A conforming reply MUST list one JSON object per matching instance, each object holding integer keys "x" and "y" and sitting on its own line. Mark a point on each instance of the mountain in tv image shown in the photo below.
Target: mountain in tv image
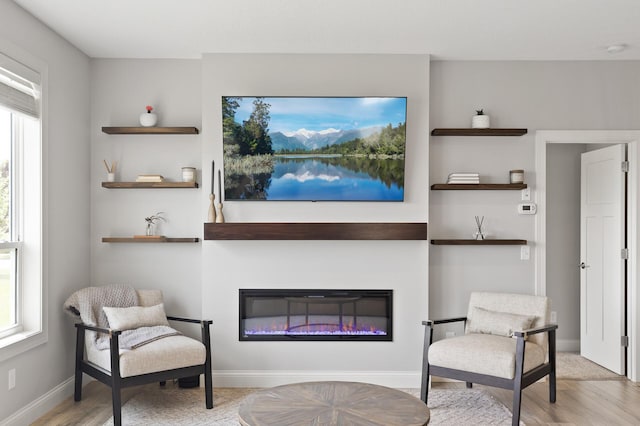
{"x": 308, "y": 140}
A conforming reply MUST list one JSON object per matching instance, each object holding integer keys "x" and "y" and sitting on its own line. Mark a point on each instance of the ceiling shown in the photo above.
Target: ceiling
{"x": 447, "y": 29}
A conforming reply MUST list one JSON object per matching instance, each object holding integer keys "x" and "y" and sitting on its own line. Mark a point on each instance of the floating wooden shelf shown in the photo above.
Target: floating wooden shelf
{"x": 154, "y": 185}
{"x": 477, "y": 186}
{"x": 315, "y": 231}
{"x": 150, "y": 130}
{"x": 491, "y": 242}
{"x": 148, "y": 240}
{"x": 478, "y": 132}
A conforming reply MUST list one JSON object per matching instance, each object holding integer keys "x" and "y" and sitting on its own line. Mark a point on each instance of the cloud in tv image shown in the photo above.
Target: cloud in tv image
{"x": 314, "y": 148}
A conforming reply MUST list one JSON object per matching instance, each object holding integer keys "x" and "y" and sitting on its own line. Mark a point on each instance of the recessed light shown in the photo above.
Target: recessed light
{"x": 616, "y": 48}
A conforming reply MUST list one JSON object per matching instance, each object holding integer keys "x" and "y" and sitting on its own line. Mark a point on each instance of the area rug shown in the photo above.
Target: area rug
{"x": 175, "y": 406}
{"x": 572, "y": 366}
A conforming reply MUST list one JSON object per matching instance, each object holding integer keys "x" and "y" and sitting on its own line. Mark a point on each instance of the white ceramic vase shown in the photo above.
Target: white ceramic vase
{"x": 480, "y": 122}
{"x": 148, "y": 119}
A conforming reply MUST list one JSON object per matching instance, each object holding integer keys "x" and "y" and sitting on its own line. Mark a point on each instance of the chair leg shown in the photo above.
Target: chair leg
{"x": 424, "y": 385}
{"x": 208, "y": 380}
{"x": 117, "y": 404}
{"x": 552, "y": 362}
{"x": 469, "y": 385}
{"x": 116, "y": 384}
{"x": 77, "y": 393}
{"x": 517, "y": 396}
{"x": 517, "y": 382}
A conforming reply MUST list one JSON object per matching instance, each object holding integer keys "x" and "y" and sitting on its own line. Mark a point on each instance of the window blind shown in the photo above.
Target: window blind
{"x": 19, "y": 87}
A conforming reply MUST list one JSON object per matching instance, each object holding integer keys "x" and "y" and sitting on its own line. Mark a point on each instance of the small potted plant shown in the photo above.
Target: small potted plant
{"x": 480, "y": 120}
{"x": 148, "y": 119}
{"x": 151, "y": 222}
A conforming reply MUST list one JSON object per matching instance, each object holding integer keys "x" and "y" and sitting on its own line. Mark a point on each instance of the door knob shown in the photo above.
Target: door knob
{"x": 583, "y": 265}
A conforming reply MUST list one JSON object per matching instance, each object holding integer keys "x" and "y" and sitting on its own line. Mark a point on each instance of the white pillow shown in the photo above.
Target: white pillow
{"x": 484, "y": 321}
{"x": 135, "y": 316}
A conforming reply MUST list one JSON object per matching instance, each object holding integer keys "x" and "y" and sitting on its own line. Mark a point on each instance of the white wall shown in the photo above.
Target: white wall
{"x": 399, "y": 265}
{"x": 66, "y": 176}
{"x": 534, "y": 95}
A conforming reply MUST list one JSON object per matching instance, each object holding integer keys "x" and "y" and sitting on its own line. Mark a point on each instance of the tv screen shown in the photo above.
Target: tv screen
{"x": 314, "y": 148}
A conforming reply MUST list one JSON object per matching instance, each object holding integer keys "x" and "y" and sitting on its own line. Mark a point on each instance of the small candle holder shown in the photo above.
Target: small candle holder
{"x": 219, "y": 215}
{"x": 211, "y": 215}
{"x": 479, "y": 235}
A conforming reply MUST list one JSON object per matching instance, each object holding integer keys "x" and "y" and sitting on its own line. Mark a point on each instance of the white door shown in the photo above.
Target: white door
{"x": 602, "y": 276}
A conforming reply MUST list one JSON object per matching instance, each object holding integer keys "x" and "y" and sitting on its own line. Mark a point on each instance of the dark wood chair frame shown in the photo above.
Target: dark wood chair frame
{"x": 117, "y": 383}
{"x": 521, "y": 379}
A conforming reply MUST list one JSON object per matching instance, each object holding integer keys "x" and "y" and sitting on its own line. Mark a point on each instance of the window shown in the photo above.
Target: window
{"x": 21, "y": 288}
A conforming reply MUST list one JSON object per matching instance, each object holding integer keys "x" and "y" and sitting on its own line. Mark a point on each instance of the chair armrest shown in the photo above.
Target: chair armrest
{"x": 108, "y": 331}
{"x": 190, "y": 320}
{"x": 542, "y": 329}
{"x": 431, "y": 323}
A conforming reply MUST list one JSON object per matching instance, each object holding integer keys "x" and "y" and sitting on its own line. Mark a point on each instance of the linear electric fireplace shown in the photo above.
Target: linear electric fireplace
{"x": 284, "y": 314}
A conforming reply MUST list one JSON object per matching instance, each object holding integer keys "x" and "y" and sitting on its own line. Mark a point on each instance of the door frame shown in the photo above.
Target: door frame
{"x": 632, "y": 139}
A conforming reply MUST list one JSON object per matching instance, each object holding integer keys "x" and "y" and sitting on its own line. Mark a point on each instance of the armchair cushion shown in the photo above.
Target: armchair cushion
{"x": 521, "y": 304}
{"x": 485, "y": 321}
{"x": 484, "y": 354}
{"x": 163, "y": 354}
{"x": 136, "y": 316}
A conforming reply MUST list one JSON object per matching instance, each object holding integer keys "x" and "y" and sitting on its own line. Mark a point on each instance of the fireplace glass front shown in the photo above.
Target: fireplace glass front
{"x": 285, "y": 314}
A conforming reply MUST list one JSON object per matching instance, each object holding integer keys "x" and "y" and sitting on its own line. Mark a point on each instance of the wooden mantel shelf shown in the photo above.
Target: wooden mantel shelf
{"x": 489, "y": 242}
{"x": 315, "y": 231}
{"x": 190, "y": 130}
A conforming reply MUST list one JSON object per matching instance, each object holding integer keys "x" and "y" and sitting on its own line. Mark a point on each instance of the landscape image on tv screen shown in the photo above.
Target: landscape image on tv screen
{"x": 314, "y": 148}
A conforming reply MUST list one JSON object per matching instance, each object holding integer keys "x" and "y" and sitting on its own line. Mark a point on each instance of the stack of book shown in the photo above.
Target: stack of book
{"x": 457, "y": 178}
{"x": 149, "y": 178}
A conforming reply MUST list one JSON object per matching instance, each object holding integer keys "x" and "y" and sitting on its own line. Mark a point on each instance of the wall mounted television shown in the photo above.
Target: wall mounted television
{"x": 314, "y": 148}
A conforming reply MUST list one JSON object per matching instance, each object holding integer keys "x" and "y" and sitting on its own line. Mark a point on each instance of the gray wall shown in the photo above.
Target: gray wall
{"x": 536, "y": 95}
{"x": 563, "y": 236}
{"x": 66, "y": 215}
{"x": 120, "y": 91}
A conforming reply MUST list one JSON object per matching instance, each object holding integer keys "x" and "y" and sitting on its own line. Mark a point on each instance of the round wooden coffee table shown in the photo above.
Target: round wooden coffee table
{"x": 332, "y": 403}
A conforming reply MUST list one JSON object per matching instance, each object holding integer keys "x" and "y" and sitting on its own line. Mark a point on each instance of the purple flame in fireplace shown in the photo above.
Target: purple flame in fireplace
{"x": 278, "y": 314}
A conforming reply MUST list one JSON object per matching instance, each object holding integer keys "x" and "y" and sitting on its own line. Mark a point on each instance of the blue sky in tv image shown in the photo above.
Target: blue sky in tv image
{"x": 317, "y": 114}
{"x": 314, "y": 149}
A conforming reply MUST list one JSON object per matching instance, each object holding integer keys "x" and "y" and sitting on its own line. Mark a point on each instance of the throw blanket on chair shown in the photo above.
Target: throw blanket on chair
{"x": 86, "y": 305}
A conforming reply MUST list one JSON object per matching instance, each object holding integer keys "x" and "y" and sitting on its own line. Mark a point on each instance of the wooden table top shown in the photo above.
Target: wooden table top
{"x": 332, "y": 403}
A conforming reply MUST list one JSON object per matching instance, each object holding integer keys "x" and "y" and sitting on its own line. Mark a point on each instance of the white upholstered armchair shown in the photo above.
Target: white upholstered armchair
{"x": 508, "y": 343}
{"x": 123, "y": 339}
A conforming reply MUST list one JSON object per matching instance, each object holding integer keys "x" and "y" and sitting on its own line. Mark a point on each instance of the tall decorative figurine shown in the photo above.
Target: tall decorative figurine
{"x": 219, "y": 216}
{"x": 211, "y": 216}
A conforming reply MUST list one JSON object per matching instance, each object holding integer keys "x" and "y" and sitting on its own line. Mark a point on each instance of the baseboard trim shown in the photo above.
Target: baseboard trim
{"x": 263, "y": 379}
{"x": 37, "y": 408}
{"x": 566, "y": 345}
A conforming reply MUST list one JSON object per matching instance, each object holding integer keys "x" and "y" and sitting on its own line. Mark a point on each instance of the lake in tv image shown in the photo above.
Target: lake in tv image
{"x": 314, "y": 148}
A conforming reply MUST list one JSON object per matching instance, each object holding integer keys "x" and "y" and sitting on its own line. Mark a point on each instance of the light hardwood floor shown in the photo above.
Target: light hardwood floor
{"x": 604, "y": 402}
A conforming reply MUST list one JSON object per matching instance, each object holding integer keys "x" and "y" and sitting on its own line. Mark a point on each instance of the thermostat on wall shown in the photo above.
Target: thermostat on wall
{"x": 527, "y": 208}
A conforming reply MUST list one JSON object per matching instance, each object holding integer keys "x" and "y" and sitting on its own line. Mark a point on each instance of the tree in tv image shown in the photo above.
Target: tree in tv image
{"x": 314, "y": 148}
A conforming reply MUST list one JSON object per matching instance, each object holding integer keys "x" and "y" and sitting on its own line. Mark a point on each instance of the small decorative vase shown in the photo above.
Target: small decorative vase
{"x": 148, "y": 119}
{"x": 480, "y": 122}
{"x": 149, "y": 231}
